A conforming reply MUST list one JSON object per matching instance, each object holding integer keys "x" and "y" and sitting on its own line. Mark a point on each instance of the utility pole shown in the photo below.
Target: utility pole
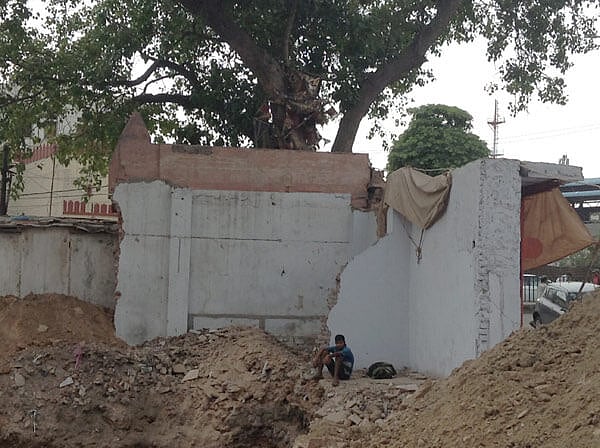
{"x": 494, "y": 124}
{"x": 4, "y": 180}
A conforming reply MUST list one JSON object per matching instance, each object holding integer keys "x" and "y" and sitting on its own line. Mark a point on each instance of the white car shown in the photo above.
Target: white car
{"x": 555, "y": 299}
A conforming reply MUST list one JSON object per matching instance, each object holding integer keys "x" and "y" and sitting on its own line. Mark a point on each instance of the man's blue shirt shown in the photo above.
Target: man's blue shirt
{"x": 347, "y": 356}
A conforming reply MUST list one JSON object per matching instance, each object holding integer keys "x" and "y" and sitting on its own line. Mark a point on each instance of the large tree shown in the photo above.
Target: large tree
{"x": 437, "y": 138}
{"x": 259, "y": 73}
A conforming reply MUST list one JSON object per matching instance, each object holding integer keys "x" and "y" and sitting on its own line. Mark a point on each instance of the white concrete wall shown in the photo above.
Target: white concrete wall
{"x": 464, "y": 292}
{"x": 372, "y": 310}
{"x": 143, "y": 271}
{"x": 460, "y": 299}
{"x": 57, "y": 260}
{"x": 206, "y": 259}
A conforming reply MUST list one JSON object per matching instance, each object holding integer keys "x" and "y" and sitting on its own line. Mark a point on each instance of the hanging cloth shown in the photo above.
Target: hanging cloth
{"x": 422, "y": 199}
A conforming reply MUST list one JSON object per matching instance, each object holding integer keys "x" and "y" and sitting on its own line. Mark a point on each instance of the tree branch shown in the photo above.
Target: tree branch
{"x": 157, "y": 64}
{"x": 8, "y": 100}
{"x": 150, "y": 98}
{"x": 139, "y": 80}
{"x": 269, "y": 72}
{"x": 411, "y": 58}
{"x": 285, "y": 45}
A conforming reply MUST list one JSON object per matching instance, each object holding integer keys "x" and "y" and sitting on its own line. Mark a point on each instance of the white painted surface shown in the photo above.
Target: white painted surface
{"x": 92, "y": 268}
{"x": 364, "y": 231}
{"x": 372, "y": 308}
{"x": 224, "y": 257}
{"x": 179, "y": 262}
{"x": 38, "y": 275}
{"x": 459, "y": 299}
{"x": 10, "y": 264}
{"x": 56, "y": 260}
{"x": 143, "y": 273}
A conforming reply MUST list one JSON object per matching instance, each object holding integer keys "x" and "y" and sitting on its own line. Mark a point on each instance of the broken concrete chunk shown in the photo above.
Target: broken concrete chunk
{"x": 336, "y": 417}
{"x": 19, "y": 380}
{"x": 179, "y": 369}
{"x": 407, "y": 387}
{"x": 355, "y": 419}
{"x": 191, "y": 375}
{"x": 211, "y": 392}
{"x": 42, "y": 328}
{"x": 66, "y": 382}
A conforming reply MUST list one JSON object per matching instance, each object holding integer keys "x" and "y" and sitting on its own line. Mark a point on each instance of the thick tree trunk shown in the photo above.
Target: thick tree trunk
{"x": 346, "y": 134}
{"x": 410, "y": 59}
{"x": 276, "y": 81}
{"x": 290, "y": 122}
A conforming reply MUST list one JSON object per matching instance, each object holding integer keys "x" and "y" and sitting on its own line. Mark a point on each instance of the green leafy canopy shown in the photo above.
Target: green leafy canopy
{"x": 201, "y": 70}
{"x": 437, "y": 138}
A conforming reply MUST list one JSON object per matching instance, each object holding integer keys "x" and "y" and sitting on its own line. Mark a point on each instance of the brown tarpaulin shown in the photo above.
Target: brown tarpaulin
{"x": 551, "y": 229}
{"x": 420, "y": 198}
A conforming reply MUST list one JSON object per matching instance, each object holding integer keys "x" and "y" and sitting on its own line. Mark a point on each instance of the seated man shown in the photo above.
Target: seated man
{"x": 338, "y": 359}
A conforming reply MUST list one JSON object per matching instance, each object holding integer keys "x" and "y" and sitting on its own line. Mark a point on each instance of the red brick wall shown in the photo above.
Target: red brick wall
{"x": 203, "y": 168}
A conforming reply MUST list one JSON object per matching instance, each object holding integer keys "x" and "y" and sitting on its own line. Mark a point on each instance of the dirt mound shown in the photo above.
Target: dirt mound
{"x": 539, "y": 388}
{"x": 46, "y": 318}
{"x": 239, "y": 387}
{"x": 235, "y": 387}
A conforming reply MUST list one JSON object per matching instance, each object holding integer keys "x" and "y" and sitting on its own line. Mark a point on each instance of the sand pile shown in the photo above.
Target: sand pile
{"x": 47, "y": 318}
{"x": 539, "y": 388}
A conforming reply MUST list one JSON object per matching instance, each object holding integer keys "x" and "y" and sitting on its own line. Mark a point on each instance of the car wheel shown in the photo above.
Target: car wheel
{"x": 537, "y": 321}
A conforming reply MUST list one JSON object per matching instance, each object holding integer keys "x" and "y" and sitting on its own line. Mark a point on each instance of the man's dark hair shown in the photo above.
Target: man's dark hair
{"x": 340, "y": 338}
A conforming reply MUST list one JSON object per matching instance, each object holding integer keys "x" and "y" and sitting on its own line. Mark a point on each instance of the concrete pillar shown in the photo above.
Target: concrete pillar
{"x": 179, "y": 262}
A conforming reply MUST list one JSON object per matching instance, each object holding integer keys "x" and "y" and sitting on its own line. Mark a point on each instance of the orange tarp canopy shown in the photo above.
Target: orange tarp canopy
{"x": 551, "y": 229}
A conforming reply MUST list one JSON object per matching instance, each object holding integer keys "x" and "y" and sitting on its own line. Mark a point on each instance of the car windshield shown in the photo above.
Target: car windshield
{"x": 571, "y": 296}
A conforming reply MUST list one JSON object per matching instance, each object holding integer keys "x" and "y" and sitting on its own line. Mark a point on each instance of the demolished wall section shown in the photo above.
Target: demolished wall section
{"x": 498, "y": 253}
{"x": 143, "y": 270}
{"x": 459, "y": 298}
{"x": 442, "y": 284}
{"x": 372, "y": 310}
{"x": 222, "y": 236}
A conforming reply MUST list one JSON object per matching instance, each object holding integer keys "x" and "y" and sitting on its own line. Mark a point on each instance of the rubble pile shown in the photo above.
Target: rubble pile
{"x": 234, "y": 387}
{"x": 74, "y": 384}
{"x": 67, "y": 381}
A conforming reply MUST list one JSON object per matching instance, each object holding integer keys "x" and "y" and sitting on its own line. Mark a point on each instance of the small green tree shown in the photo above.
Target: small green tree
{"x": 437, "y": 137}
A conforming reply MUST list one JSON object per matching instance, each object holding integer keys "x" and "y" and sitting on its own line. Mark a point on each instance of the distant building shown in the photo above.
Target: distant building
{"x": 584, "y": 197}
{"x": 50, "y": 190}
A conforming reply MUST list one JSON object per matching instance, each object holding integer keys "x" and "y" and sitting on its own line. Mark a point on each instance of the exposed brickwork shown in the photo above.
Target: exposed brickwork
{"x": 137, "y": 159}
{"x": 80, "y": 208}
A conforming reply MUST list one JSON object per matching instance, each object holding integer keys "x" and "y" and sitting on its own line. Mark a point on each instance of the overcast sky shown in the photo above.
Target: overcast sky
{"x": 543, "y": 134}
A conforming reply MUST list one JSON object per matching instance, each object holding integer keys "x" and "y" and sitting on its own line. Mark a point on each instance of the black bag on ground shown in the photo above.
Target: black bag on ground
{"x": 381, "y": 370}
